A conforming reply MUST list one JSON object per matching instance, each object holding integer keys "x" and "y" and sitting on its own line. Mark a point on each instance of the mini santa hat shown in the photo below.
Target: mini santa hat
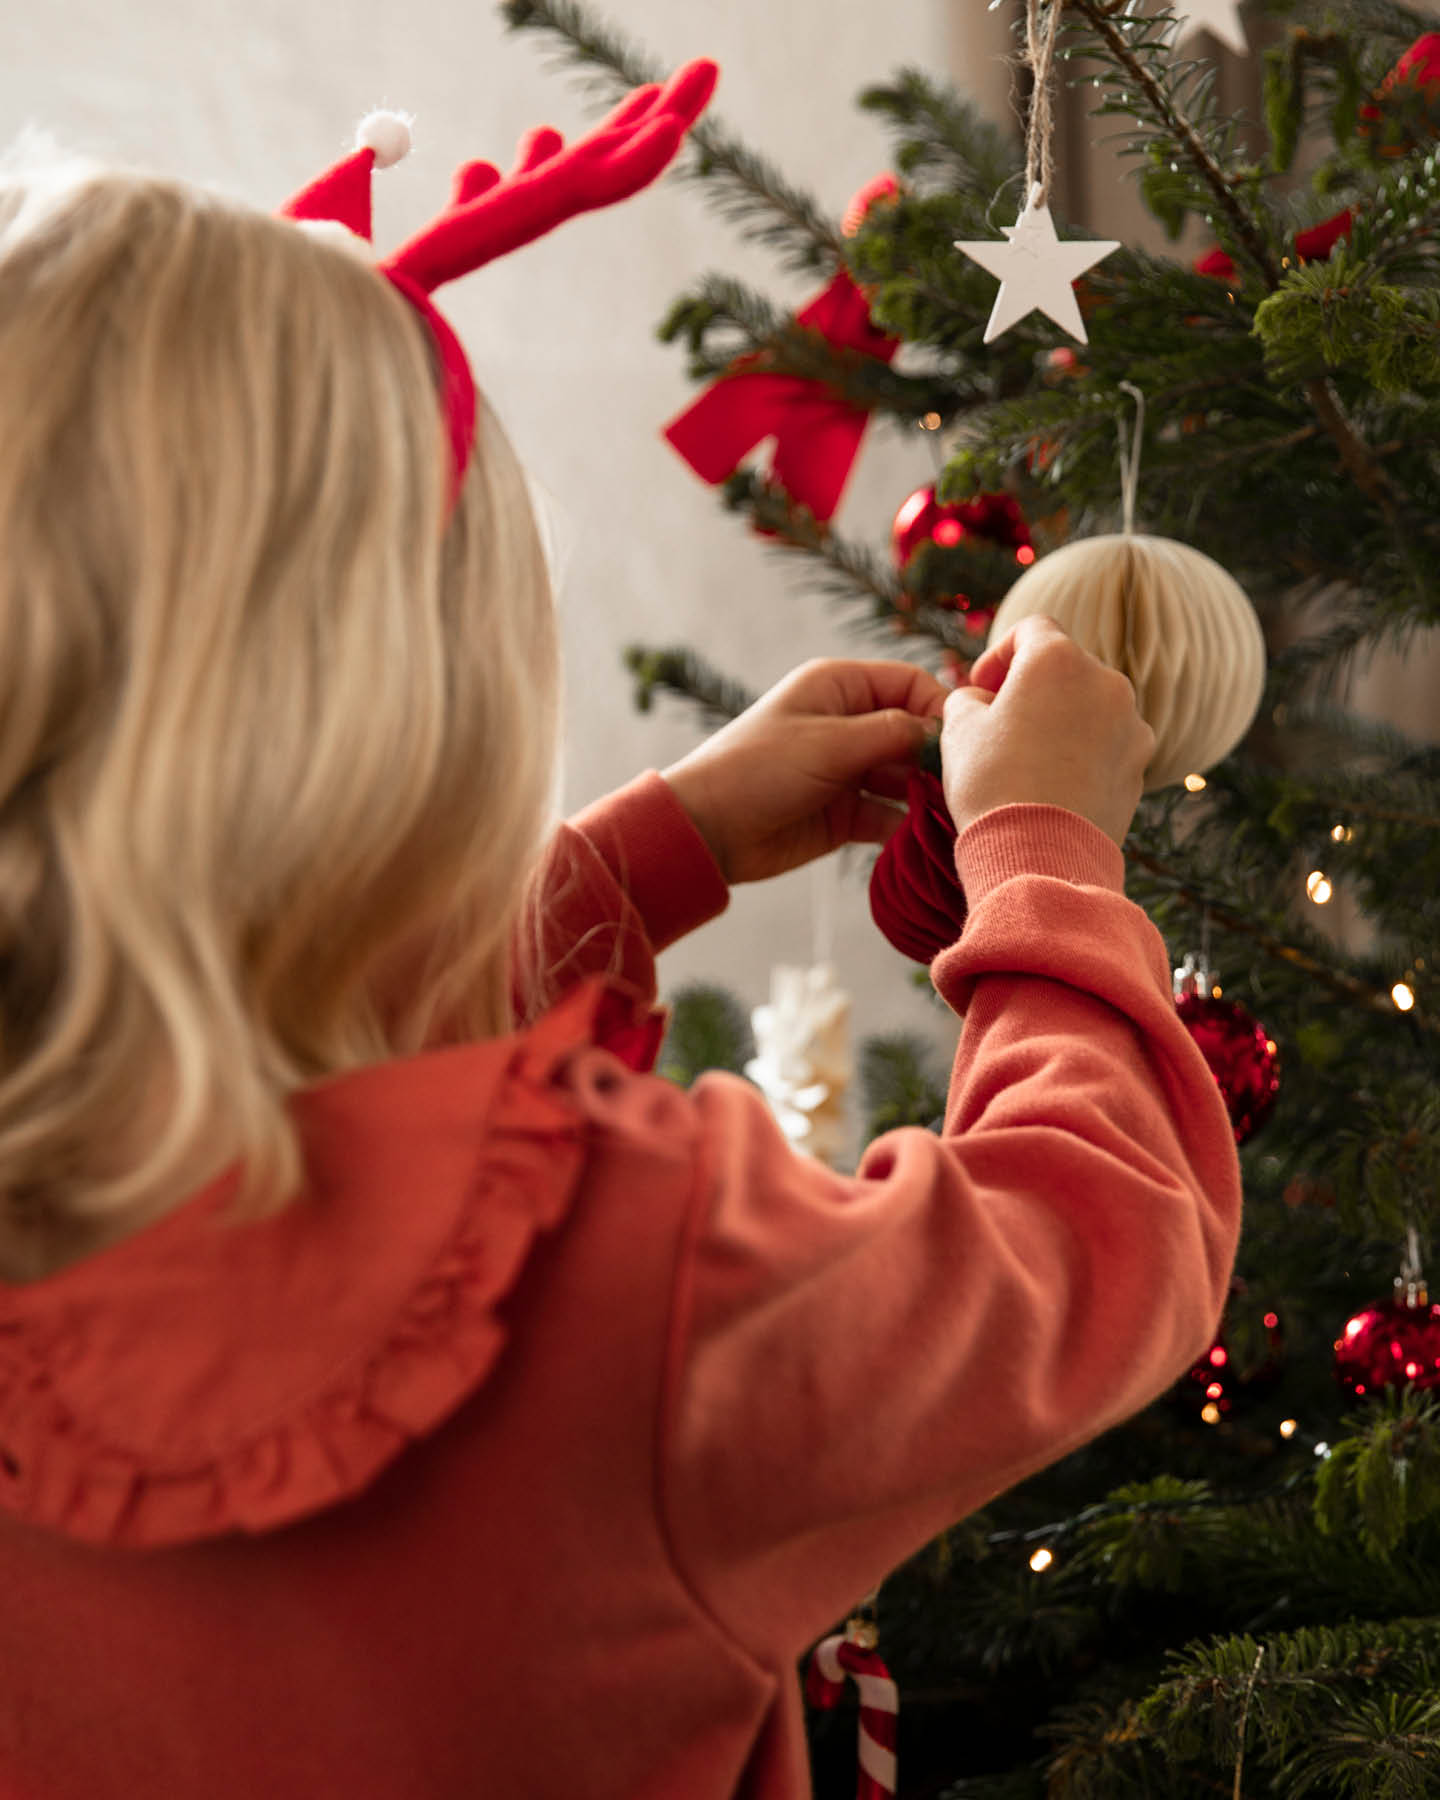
{"x": 491, "y": 214}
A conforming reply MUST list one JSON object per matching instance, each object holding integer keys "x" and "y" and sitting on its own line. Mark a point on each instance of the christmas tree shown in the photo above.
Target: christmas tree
{"x": 1238, "y": 1592}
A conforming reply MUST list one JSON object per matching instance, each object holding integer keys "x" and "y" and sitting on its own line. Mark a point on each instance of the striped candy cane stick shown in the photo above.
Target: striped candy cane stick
{"x": 835, "y": 1658}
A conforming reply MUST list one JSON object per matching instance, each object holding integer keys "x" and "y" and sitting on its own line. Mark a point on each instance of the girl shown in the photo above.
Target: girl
{"x": 402, "y": 1392}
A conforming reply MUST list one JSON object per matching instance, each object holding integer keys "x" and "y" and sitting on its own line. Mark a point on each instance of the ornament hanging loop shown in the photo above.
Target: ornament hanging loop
{"x": 1130, "y": 457}
{"x": 1040, "y": 128}
{"x": 1411, "y": 1288}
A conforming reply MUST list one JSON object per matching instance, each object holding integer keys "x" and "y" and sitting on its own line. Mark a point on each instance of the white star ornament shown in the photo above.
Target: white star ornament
{"x": 1036, "y": 271}
{"x": 1221, "y": 18}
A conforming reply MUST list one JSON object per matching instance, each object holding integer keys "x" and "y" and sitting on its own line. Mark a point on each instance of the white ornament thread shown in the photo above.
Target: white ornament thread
{"x": 1130, "y": 457}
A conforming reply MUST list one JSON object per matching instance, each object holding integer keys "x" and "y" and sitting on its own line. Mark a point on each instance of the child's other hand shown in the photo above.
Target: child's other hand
{"x": 797, "y": 774}
{"x": 1042, "y": 720}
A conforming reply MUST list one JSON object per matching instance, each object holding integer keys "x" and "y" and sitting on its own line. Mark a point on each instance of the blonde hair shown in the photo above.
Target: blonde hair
{"x": 276, "y": 741}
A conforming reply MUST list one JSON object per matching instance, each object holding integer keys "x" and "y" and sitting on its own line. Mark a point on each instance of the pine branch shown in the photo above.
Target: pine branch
{"x": 708, "y": 1029}
{"x": 1336, "y": 981}
{"x": 744, "y": 188}
{"x": 1367, "y": 474}
{"x": 679, "y": 671}
{"x": 846, "y": 571}
{"x": 722, "y": 320}
{"x": 1164, "y": 109}
{"x": 942, "y": 135}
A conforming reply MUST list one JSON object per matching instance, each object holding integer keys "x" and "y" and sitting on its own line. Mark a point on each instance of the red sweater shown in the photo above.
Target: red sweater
{"x": 523, "y": 1455}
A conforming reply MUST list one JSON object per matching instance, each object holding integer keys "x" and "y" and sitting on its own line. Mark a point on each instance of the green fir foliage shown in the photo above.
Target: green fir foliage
{"x": 708, "y": 1029}
{"x": 1230, "y": 1609}
{"x": 901, "y": 1083}
{"x": 1384, "y": 1476}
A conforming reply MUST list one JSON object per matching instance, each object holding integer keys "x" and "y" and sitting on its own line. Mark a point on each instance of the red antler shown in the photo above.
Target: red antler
{"x": 490, "y": 215}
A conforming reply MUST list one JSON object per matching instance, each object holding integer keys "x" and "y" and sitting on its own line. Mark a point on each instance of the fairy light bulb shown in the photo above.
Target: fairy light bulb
{"x": 1403, "y": 996}
{"x": 1288, "y": 1428}
{"x": 1195, "y": 784}
{"x": 1341, "y": 834}
{"x": 1040, "y": 1560}
{"x": 1318, "y": 888}
{"x": 1210, "y": 1413}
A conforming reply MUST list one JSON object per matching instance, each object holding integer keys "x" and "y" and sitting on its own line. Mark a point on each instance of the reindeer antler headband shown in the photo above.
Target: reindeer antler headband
{"x": 491, "y": 214}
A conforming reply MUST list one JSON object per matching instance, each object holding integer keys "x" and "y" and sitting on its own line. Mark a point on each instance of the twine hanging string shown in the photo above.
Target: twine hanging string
{"x": 1130, "y": 457}
{"x": 1040, "y": 41}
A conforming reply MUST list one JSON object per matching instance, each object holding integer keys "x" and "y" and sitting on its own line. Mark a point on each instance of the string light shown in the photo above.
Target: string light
{"x": 1210, "y": 1413}
{"x": 930, "y": 421}
{"x": 1040, "y": 1560}
{"x": 1403, "y": 997}
{"x": 1322, "y": 1451}
{"x": 1341, "y": 834}
{"x": 1025, "y": 554}
{"x": 1317, "y": 886}
{"x": 1194, "y": 783}
{"x": 1288, "y": 1428}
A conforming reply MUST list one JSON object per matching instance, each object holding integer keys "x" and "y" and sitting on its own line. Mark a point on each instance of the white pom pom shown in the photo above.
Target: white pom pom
{"x": 387, "y": 134}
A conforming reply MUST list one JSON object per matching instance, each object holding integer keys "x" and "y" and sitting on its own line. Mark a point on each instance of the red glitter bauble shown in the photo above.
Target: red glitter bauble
{"x": 1243, "y": 1057}
{"x": 1243, "y": 1364}
{"x": 992, "y": 519}
{"x": 1388, "y": 1344}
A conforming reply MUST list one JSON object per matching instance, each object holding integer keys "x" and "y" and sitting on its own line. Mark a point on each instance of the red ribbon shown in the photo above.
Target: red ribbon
{"x": 817, "y": 432}
{"x": 1419, "y": 68}
{"x": 1312, "y": 245}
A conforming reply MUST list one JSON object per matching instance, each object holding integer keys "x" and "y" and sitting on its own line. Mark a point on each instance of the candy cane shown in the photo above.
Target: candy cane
{"x": 833, "y": 1659}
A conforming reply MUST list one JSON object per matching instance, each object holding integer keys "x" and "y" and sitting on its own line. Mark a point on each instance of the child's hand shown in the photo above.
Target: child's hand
{"x": 796, "y": 774}
{"x": 1043, "y": 720}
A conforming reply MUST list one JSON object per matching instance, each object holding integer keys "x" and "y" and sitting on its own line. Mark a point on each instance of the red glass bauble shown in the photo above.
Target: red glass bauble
{"x": 1243, "y": 1057}
{"x": 1388, "y": 1344}
{"x": 992, "y": 519}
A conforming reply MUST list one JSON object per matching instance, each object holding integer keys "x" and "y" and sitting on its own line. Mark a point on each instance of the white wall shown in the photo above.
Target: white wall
{"x": 257, "y": 97}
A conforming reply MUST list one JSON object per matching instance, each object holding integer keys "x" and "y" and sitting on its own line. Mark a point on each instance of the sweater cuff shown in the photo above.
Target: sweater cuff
{"x": 655, "y": 851}
{"x": 1031, "y": 839}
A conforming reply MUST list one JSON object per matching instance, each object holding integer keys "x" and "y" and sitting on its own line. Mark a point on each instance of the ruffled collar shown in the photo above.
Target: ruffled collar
{"x": 203, "y": 1377}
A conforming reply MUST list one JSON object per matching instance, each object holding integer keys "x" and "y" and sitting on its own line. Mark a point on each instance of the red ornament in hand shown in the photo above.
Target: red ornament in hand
{"x": 1390, "y": 1343}
{"x": 992, "y": 519}
{"x": 1243, "y": 1057}
{"x": 915, "y": 895}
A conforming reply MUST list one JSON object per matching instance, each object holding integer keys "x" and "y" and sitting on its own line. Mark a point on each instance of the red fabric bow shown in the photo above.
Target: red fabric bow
{"x": 915, "y": 895}
{"x": 1418, "y": 68}
{"x": 817, "y": 432}
{"x": 1311, "y": 245}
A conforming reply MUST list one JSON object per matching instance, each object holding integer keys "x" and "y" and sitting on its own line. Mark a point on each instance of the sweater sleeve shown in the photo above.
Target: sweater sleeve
{"x": 621, "y": 881}
{"x": 856, "y": 1362}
